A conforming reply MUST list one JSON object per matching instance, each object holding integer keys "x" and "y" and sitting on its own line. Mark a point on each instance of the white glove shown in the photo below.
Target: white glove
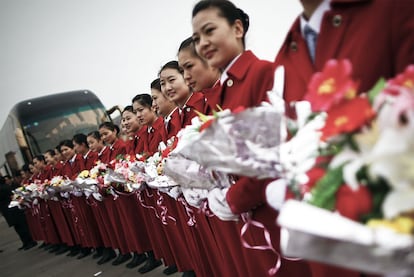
{"x": 195, "y": 196}
{"x": 276, "y": 193}
{"x": 219, "y": 206}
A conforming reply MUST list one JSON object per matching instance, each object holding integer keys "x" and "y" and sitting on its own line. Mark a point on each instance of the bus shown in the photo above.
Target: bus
{"x": 36, "y": 125}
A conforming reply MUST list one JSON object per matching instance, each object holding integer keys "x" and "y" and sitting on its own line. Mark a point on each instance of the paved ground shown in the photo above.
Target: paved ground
{"x": 40, "y": 263}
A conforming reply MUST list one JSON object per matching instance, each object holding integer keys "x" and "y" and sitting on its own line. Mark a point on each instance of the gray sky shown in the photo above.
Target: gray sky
{"x": 114, "y": 48}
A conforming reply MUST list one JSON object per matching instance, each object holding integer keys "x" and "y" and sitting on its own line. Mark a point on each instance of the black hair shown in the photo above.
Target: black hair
{"x": 143, "y": 99}
{"x": 171, "y": 65}
{"x": 227, "y": 10}
{"x": 80, "y": 139}
{"x": 128, "y": 108}
{"x": 66, "y": 142}
{"x": 156, "y": 84}
{"x": 188, "y": 44}
{"x": 26, "y": 168}
{"x": 51, "y": 152}
{"x": 40, "y": 157}
{"x": 110, "y": 126}
{"x": 95, "y": 134}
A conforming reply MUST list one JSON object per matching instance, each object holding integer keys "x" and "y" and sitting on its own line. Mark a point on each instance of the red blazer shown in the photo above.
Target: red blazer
{"x": 104, "y": 155}
{"x": 72, "y": 169}
{"x": 173, "y": 125}
{"x": 148, "y": 142}
{"x": 249, "y": 80}
{"x": 117, "y": 148}
{"x": 196, "y": 102}
{"x": 90, "y": 159}
{"x": 355, "y": 30}
{"x": 55, "y": 170}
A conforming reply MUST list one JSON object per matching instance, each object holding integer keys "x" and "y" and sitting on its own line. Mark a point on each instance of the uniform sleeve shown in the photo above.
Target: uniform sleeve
{"x": 247, "y": 194}
{"x": 402, "y": 21}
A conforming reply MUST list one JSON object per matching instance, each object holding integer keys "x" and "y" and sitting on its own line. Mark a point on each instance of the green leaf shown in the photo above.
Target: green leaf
{"x": 372, "y": 94}
{"x": 323, "y": 194}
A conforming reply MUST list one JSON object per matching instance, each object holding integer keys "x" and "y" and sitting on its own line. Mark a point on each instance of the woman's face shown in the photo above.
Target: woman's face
{"x": 33, "y": 169}
{"x": 197, "y": 73}
{"x": 173, "y": 85}
{"x": 108, "y": 136}
{"x": 79, "y": 148}
{"x": 67, "y": 152}
{"x": 145, "y": 115}
{"x": 161, "y": 104}
{"x": 215, "y": 39}
{"x": 94, "y": 144}
{"x": 130, "y": 122}
{"x": 49, "y": 159}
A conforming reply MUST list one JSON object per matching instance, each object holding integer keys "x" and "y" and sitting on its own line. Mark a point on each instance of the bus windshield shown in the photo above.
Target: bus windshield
{"x": 39, "y": 124}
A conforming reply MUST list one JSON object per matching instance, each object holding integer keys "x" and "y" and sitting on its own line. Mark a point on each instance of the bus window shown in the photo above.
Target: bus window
{"x": 41, "y": 123}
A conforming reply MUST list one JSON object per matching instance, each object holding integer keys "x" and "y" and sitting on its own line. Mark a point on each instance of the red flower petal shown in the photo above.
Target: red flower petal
{"x": 353, "y": 203}
{"x": 331, "y": 86}
{"x": 347, "y": 117}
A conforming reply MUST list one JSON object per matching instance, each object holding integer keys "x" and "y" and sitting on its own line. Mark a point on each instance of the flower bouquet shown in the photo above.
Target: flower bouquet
{"x": 91, "y": 182}
{"x": 128, "y": 174}
{"x": 232, "y": 142}
{"x": 21, "y": 197}
{"x": 354, "y": 179}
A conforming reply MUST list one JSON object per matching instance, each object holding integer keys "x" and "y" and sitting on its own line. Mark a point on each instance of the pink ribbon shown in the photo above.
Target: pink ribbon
{"x": 35, "y": 209}
{"x": 248, "y": 221}
{"x": 205, "y": 209}
{"x": 139, "y": 197}
{"x": 164, "y": 210}
{"x": 191, "y": 219}
{"x": 90, "y": 202}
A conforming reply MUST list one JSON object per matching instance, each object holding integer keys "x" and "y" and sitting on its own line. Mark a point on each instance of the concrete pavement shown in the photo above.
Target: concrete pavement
{"x": 37, "y": 262}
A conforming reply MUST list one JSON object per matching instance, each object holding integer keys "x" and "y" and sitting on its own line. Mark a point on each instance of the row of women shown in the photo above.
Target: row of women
{"x": 215, "y": 69}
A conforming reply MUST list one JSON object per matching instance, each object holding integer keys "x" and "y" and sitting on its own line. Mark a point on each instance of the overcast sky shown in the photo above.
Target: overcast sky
{"x": 114, "y": 48}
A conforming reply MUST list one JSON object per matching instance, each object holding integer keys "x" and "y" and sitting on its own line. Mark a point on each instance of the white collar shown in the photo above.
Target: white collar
{"x": 86, "y": 155}
{"x": 224, "y": 75}
{"x": 72, "y": 159}
{"x": 100, "y": 152}
{"x": 315, "y": 20}
{"x": 168, "y": 117}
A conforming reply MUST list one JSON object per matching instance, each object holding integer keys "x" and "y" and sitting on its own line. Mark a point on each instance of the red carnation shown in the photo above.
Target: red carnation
{"x": 331, "y": 86}
{"x": 353, "y": 203}
{"x": 347, "y": 117}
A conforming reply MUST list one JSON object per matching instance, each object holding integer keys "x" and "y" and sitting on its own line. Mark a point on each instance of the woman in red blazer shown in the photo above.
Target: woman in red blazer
{"x": 109, "y": 133}
{"x": 81, "y": 147}
{"x": 353, "y": 30}
{"x": 132, "y": 126}
{"x": 219, "y": 29}
{"x": 174, "y": 86}
{"x": 152, "y": 133}
{"x": 96, "y": 144}
{"x": 165, "y": 108}
{"x": 73, "y": 163}
{"x": 198, "y": 74}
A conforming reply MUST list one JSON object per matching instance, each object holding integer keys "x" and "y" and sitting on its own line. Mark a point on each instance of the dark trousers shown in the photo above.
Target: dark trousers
{"x": 22, "y": 229}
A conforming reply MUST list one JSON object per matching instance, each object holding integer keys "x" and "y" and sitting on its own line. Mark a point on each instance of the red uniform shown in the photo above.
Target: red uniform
{"x": 354, "y": 30}
{"x": 248, "y": 81}
{"x": 90, "y": 159}
{"x": 117, "y": 148}
{"x": 196, "y": 102}
{"x": 73, "y": 167}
